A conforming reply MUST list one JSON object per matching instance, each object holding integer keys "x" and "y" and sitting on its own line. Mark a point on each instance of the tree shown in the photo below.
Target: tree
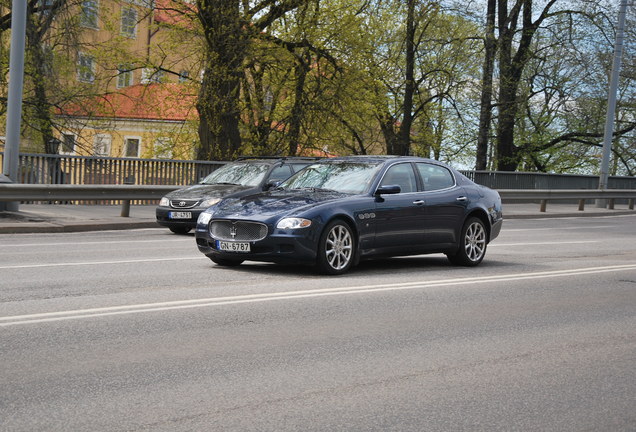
{"x": 229, "y": 28}
{"x": 485, "y": 114}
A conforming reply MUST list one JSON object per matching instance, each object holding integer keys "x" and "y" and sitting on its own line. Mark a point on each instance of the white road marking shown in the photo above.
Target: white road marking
{"x": 98, "y": 262}
{"x": 292, "y": 295}
{"x": 541, "y": 243}
{"x": 96, "y": 242}
{"x": 560, "y": 228}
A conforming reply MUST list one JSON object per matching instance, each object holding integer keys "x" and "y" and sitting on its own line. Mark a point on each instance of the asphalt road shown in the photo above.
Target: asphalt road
{"x": 135, "y": 330}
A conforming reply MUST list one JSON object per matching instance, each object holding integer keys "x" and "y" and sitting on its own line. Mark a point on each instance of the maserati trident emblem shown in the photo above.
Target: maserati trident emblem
{"x": 233, "y": 231}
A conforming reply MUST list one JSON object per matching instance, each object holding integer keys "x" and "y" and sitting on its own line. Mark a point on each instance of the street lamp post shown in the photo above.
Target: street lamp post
{"x": 11, "y": 161}
{"x": 611, "y": 102}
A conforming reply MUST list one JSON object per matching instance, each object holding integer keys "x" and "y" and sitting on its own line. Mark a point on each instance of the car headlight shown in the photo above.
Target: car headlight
{"x": 209, "y": 202}
{"x": 204, "y": 218}
{"x": 165, "y": 202}
{"x": 293, "y": 223}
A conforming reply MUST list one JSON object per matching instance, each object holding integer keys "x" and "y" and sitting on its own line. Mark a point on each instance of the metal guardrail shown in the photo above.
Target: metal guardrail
{"x": 65, "y": 192}
{"x": 49, "y": 192}
{"x": 545, "y": 195}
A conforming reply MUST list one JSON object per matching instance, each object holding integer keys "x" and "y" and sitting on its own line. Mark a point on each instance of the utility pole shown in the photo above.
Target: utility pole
{"x": 11, "y": 161}
{"x": 611, "y": 102}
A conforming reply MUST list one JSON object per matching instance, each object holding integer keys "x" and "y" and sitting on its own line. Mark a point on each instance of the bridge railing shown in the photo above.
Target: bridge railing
{"x": 126, "y": 193}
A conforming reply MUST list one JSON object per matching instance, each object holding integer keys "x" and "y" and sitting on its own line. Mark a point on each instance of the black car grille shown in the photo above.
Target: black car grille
{"x": 238, "y": 231}
{"x": 183, "y": 203}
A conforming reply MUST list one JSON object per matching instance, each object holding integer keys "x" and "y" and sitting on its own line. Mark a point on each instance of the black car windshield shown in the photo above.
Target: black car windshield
{"x": 344, "y": 177}
{"x": 243, "y": 174}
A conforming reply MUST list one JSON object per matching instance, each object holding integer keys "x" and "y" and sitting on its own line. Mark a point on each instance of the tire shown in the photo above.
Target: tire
{"x": 472, "y": 244}
{"x": 180, "y": 230}
{"x": 225, "y": 262}
{"x": 336, "y": 250}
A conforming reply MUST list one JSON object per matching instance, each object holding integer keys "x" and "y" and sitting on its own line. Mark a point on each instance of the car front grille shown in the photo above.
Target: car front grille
{"x": 183, "y": 203}
{"x": 238, "y": 231}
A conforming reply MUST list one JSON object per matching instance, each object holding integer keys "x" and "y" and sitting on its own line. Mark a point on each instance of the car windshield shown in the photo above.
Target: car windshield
{"x": 243, "y": 174}
{"x": 344, "y": 177}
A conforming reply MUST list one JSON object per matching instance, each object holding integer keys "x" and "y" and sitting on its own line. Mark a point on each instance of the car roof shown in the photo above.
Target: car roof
{"x": 379, "y": 159}
{"x": 274, "y": 159}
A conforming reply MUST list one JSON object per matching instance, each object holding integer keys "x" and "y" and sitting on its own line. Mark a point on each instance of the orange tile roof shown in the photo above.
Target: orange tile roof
{"x": 168, "y": 102}
{"x": 171, "y": 12}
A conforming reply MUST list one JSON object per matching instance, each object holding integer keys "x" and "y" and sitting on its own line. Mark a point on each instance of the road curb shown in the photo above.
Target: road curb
{"x": 547, "y": 215}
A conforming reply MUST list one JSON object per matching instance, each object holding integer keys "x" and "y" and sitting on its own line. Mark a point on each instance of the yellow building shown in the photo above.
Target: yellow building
{"x": 132, "y": 89}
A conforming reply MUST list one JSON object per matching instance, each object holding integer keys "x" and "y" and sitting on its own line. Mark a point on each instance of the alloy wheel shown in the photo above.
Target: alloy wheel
{"x": 339, "y": 247}
{"x": 475, "y": 241}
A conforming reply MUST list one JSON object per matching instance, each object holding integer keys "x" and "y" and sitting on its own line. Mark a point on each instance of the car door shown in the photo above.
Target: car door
{"x": 399, "y": 217}
{"x": 445, "y": 204}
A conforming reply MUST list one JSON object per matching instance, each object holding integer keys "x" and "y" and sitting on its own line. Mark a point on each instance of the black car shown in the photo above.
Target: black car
{"x": 180, "y": 209}
{"x": 338, "y": 211}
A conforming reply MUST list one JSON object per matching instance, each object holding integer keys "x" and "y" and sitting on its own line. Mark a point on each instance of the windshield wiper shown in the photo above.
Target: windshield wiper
{"x": 317, "y": 189}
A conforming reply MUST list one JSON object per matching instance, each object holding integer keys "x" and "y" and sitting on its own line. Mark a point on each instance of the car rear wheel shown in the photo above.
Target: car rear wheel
{"x": 472, "y": 244}
{"x": 336, "y": 249}
{"x": 180, "y": 230}
{"x": 225, "y": 262}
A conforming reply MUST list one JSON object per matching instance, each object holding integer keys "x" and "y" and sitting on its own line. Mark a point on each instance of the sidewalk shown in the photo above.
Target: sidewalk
{"x": 45, "y": 218}
{"x": 50, "y": 218}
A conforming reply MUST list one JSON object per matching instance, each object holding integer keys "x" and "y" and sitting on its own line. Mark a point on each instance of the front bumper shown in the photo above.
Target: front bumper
{"x": 279, "y": 246}
{"x": 164, "y": 218}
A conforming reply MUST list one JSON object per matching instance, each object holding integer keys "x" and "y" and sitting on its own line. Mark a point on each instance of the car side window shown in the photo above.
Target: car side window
{"x": 280, "y": 173}
{"x": 435, "y": 177}
{"x": 401, "y": 175}
{"x": 297, "y": 167}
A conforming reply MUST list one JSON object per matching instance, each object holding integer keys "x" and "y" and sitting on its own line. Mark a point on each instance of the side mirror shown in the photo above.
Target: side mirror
{"x": 388, "y": 190}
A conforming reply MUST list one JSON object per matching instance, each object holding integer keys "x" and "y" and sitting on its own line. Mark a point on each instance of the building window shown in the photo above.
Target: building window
{"x": 163, "y": 148}
{"x": 124, "y": 76}
{"x": 128, "y": 22}
{"x": 67, "y": 145}
{"x": 101, "y": 145}
{"x": 183, "y": 76}
{"x": 45, "y": 6}
{"x": 149, "y": 76}
{"x": 268, "y": 100}
{"x": 85, "y": 68}
{"x": 88, "y": 16}
{"x": 131, "y": 147}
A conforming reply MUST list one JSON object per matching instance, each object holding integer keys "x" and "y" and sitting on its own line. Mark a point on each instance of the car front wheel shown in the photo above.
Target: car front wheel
{"x": 472, "y": 244}
{"x": 336, "y": 249}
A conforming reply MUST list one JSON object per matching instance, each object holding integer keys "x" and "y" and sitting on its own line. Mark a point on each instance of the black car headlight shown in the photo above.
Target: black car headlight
{"x": 165, "y": 202}
{"x": 209, "y": 202}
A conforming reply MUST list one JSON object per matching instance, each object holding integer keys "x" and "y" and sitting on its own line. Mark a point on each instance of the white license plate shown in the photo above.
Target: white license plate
{"x": 180, "y": 215}
{"x": 232, "y": 246}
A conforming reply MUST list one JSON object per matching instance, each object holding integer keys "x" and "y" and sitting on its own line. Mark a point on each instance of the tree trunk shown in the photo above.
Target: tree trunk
{"x": 404, "y": 135}
{"x": 485, "y": 115}
{"x": 38, "y": 67}
{"x": 387, "y": 125}
{"x": 297, "y": 112}
{"x": 217, "y": 104}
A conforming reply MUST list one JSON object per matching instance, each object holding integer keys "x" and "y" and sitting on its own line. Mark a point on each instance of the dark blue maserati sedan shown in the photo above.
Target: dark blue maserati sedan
{"x": 338, "y": 211}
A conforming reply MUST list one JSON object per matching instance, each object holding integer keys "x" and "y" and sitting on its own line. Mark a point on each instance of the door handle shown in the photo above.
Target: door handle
{"x": 462, "y": 199}
{"x": 418, "y": 202}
